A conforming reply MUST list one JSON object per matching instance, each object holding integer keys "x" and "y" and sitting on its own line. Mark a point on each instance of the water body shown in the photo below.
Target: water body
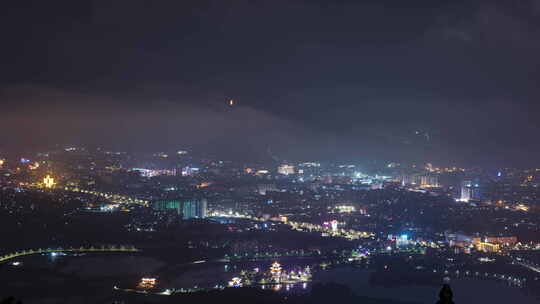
{"x": 90, "y": 279}
{"x": 465, "y": 290}
{"x": 72, "y": 279}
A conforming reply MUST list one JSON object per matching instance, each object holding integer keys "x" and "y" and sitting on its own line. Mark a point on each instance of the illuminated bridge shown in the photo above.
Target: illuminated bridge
{"x": 113, "y": 248}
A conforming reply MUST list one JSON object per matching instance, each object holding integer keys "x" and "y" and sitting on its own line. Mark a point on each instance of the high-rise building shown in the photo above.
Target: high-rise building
{"x": 470, "y": 191}
{"x": 429, "y": 181}
{"x": 194, "y": 208}
{"x": 402, "y": 240}
{"x": 168, "y": 205}
{"x": 407, "y": 179}
{"x": 188, "y": 208}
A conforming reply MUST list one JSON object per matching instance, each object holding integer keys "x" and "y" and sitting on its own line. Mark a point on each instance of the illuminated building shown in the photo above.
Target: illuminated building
{"x": 48, "y": 182}
{"x": 499, "y": 240}
{"x": 426, "y": 181}
{"x": 429, "y": 181}
{"x": 235, "y": 282}
{"x": 285, "y": 169}
{"x": 154, "y": 172}
{"x": 275, "y": 270}
{"x": 344, "y": 209}
{"x": 168, "y": 205}
{"x": 487, "y": 247}
{"x": 147, "y": 283}
{"x": 406, "y": 180}
{"x": 274, "y": 276}
{"x": 470, "y": 191}
{"x": 203, "y": 185}
{"x": 189, "y": 171}
{"x": 402, "y": 240}
{"x": 503, "y": 240}
{"x": 465, "y": 192}
{"x": 187, "y": 208}
{"x": 458, "y": 239}
{"x": 334, "y": 225}
{"x": 194, "y": 208}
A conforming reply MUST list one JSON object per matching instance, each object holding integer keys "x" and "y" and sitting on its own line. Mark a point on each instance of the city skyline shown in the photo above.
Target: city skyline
{"x": 270, "y": 151}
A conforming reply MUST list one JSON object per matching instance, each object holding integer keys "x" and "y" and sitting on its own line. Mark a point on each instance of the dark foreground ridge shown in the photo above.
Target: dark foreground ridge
{"x": 320, "y": 294}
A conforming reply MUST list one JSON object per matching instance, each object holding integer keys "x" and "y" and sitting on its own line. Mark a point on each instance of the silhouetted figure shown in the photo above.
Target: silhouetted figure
{"x": 445, "y": 295}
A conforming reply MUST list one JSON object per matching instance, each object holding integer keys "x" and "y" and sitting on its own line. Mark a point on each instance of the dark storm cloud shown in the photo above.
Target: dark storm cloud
{"x": 46, "y": 116}
{"x": 350, "y": 79}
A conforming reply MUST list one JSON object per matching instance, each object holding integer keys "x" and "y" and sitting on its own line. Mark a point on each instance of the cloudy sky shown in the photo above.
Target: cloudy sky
{"x": 449, "y": 82}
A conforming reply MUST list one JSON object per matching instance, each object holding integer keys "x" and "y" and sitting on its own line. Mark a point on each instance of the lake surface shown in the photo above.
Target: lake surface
{"x": 90, "y": 279}
{"x": 465, "y": 290}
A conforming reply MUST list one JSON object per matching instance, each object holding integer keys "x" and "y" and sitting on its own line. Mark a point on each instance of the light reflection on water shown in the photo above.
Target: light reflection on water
{"x": 60, "y": 271}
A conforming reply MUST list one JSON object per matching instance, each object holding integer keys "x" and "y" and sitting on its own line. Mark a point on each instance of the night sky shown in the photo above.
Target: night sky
{"x": 452, "y": 82}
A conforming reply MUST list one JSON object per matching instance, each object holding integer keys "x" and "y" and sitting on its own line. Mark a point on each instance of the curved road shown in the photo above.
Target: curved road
{"x": 17, "y": 254}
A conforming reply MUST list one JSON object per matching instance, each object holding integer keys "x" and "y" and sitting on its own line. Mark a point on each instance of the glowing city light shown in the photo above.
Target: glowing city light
{"x": 345, "y": 209}
{"x": 334, "y": 225}
{"x": 48, "y": 181}
{"x": 235, "y": 282}
{"x": 275, "y": 269}
{"x": 147, "y": 283}
{"x": 286, "y": 169}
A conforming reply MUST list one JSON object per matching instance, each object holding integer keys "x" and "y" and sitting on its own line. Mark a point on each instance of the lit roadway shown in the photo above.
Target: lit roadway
{"x": 115, "y": 198}
{"x": 13, "y": 255}
{"x": 350, "y": 234}
{"x": 527, "y": 265}
{"x": 112, "y": 197}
